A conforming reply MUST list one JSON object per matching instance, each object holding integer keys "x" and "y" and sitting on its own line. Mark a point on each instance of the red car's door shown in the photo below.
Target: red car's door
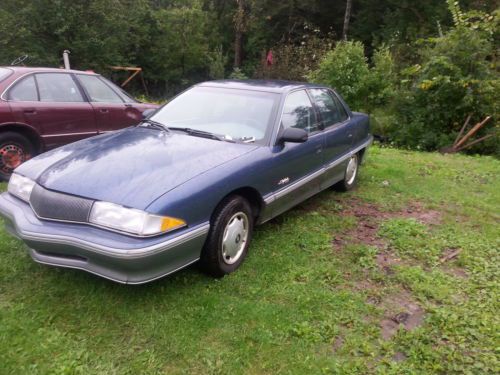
{"x": 111, "y": 109}
{"x": 62, "y": 113}
{"x": 54, "y": 104}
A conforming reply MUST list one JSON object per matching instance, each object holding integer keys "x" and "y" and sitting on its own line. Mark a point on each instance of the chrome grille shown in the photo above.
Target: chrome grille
{"x": 49, "y": 204}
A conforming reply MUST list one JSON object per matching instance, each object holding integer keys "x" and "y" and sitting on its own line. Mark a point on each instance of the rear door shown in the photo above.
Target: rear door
{"x": 337, "y": 131}
{"x": 111, "y": 109}
{"x": 297, "y": 167}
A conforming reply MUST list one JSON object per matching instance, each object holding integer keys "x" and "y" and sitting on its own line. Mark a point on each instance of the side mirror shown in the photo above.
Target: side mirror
{"x": 293, "y": 135}
{"x": 148, "y": 112}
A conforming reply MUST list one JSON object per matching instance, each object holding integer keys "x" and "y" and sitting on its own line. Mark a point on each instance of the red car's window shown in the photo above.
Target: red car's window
{"x": 98, "y": 91}
{"x": 4, "y": 73}
{"x": 58, "y": 87}
{"x": 24, "y": 90}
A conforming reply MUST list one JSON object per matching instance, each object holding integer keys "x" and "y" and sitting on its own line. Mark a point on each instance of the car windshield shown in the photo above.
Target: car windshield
{"x": 240, "y": 115}
{"x": 4, "y": 73}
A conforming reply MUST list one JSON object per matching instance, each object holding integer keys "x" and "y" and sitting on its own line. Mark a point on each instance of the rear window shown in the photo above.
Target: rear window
{"x": 4, "y": 73}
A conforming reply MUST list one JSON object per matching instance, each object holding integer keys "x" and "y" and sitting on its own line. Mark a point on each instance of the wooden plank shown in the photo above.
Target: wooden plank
{"x": 471, "y": 132}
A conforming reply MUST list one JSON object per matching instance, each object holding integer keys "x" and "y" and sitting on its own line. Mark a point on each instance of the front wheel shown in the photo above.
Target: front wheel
{"x": 350, "y": 174}
{"x": 15, "y": 149}
{"x": 229, "y": 237}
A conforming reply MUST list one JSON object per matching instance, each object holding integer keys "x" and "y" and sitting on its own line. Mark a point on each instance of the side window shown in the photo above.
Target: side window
{"x": 298, "y": 112}
{"x": 121, "y": 93}
{"x": 330, "y": 113}
{"x": 58, "y": 87}
{"x": 24, "y": 90}
{"x": 343, "y": 114}
{"x": 97, "y": 90}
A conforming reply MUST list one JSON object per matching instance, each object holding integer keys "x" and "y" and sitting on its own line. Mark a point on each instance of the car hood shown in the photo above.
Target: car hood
{"x": 131, "y": 167}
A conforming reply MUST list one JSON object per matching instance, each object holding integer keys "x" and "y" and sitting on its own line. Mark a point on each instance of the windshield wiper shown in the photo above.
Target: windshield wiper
{"x": 202, "y": 133}
{"x": 155, "y": 124}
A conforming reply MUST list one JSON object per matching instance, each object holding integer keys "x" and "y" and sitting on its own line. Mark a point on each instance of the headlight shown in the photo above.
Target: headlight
{"x": 132, "y": 221}
{"x": 20, "y": 186}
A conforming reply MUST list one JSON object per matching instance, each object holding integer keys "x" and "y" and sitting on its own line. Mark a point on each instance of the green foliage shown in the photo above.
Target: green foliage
{"x": 454, "y": 79}
{"x": 346, "y": 69}
{"x": 237, "y": 73}
{"x": 296, "y": 58}
{"x": 217, "y": 64}
{"x": 419, "y": 67}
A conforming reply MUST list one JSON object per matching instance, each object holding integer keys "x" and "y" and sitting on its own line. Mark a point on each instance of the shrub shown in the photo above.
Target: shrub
{"x": 454, "y": 80}
{"x": 296, "y": 58}
{"x": 216, "y": 63}
{"x": 237, "y": 74}
{"x": 346, "y": 69}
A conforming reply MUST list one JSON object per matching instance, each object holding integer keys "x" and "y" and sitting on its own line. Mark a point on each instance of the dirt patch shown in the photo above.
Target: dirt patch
{"x": 399, "y": 357}
{"x": 386, "y": 260}
{"x": 337, "y": 343}
{"x": 417, "y": 211}
{"x": 400, "y": 311}
{"x": 369, "y": 216}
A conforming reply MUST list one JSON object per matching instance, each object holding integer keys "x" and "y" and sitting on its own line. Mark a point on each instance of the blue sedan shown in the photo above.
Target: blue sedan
{"x": 187, "y": 184}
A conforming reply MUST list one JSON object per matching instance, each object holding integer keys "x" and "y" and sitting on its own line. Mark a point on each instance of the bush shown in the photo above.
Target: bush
{"x": 346, "y": 69}
{"x": 295, "y": 59}
{"x": 237, "y": 74}
{"x": 216, "y": 64}
{"x": 454, "y": 80}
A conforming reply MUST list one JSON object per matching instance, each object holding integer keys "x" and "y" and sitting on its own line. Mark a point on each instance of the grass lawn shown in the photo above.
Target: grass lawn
{"x": 399, "y": 276}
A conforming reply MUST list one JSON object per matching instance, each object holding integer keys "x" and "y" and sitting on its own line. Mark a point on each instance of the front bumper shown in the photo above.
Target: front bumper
{"x": 117, "y": 257}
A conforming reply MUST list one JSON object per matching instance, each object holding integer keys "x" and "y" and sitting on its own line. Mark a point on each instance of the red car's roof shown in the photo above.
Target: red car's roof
{"x": 29, "y": 69}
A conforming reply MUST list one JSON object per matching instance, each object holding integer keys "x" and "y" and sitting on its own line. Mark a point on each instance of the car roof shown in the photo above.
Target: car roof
{"x": 268, "y": 85}
{"x": 31, "y": 69}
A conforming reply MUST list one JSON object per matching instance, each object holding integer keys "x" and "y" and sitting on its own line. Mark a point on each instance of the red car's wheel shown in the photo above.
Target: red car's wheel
{"x": 15, "y": 149}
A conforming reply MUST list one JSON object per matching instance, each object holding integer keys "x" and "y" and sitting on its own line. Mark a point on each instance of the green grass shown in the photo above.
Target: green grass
{"x": 299, "y": 304}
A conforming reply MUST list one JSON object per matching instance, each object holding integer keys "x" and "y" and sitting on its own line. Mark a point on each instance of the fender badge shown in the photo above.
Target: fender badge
{"x": 284, "y": 181}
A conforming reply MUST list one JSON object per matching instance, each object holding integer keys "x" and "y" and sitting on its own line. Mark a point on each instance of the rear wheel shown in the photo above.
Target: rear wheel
{"x": 350, "y": 175}
{"x": 229, "y": 237}
{"x": 15, "y": 149}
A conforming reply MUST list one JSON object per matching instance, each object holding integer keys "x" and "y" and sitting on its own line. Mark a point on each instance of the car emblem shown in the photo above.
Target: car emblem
{"x": 284, "y": 181}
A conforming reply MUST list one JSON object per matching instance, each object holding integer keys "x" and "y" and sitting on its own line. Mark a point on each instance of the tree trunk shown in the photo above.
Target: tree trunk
{"x": 347, "y": 18}
{"x": 239, "y": 28}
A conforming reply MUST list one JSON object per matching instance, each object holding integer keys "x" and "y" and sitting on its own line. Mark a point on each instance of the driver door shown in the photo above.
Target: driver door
{"x": 297, "y": 167}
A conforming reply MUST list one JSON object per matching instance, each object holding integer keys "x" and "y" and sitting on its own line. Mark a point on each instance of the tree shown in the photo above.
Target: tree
{"x": 347, "y": 17}
{"x": 239, "y": 29}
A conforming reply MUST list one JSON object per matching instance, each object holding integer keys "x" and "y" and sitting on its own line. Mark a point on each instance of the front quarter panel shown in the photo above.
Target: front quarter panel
{"x": 196, "y": 200}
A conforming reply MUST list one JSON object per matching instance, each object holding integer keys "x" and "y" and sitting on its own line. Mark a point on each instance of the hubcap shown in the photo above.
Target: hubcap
{"x": 11, "y": 156}
{"x": 351, "y": 170}
{"x": 235, "y": 238}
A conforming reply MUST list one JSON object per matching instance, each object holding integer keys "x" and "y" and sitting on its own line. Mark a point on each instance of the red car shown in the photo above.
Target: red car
{"x": 43, "y": 108}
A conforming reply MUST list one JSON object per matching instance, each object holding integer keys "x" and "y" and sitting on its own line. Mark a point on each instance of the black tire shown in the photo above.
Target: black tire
{"x": 15, "y": 149}
{"x": 349, "y": 181}
{"x": 212, "y": 259}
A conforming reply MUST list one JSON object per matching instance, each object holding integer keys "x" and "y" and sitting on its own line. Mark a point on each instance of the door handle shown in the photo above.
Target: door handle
{"x": 128, "y": 105}
{"x": 319, "y": 149}
{"x": 104, "y": 110}
{"x": 350, "y": 135}
{"x": 29, "y": 111}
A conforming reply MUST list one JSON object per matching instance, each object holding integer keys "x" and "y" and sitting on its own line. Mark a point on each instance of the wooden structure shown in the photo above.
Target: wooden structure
{"x": 135, "y": 71}
{"x": 460, "y": 142}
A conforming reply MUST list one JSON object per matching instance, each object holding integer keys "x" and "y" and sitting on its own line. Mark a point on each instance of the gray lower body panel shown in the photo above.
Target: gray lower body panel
{"x": 111, "y": 255}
